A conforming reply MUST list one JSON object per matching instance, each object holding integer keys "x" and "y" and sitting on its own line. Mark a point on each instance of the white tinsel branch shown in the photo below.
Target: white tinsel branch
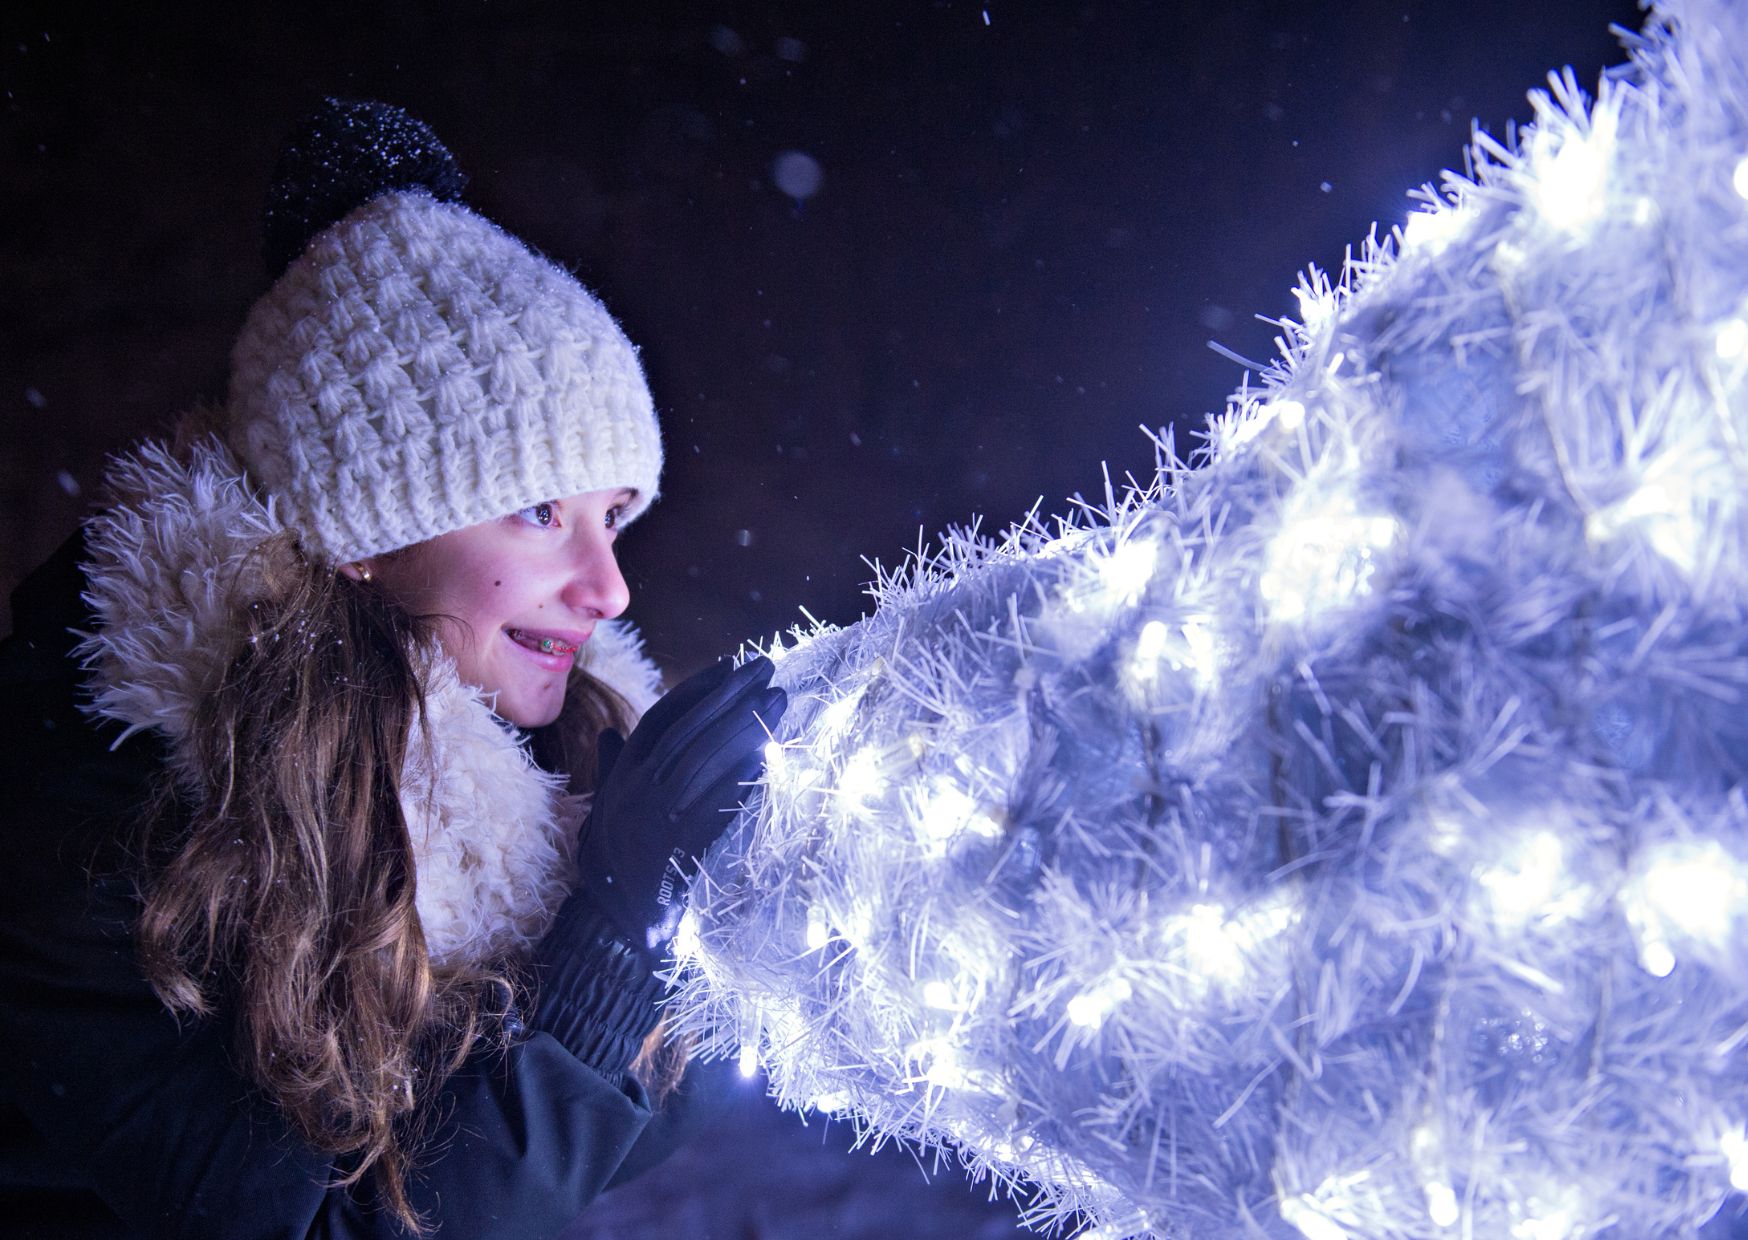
{"x": 1345, "y": 834}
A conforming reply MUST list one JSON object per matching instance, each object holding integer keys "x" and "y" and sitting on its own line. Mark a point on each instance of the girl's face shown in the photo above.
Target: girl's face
{"x": 515, "y": 598}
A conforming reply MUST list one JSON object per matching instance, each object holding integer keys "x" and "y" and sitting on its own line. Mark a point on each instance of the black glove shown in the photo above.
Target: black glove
{"x": 593, "y": 993}
{"x": 668, "y": 792}
{"x": 664, "y": 796}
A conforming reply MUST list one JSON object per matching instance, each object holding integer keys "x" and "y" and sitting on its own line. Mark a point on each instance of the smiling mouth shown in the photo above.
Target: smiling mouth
{"x": 544, "y": 645}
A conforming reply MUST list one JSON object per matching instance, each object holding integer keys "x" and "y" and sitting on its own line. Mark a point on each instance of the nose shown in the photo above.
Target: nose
{"x": 595, "y": 585}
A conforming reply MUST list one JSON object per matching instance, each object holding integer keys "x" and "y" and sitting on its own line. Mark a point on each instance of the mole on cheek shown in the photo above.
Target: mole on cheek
{"x": 497, "y": 583}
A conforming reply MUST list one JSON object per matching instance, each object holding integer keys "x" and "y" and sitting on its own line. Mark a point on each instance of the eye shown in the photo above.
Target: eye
{"x": 543, "y": 515}
{"x": 615, "y": 515}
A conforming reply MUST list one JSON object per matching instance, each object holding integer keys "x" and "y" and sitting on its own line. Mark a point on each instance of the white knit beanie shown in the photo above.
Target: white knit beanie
{"x": 416, "y": 369}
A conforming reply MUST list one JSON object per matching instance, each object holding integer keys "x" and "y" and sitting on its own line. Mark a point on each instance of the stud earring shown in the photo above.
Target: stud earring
{"x": 364, "y": 572}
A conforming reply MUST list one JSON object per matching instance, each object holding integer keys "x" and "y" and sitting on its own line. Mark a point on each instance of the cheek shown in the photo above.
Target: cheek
{"x": 473, "y": 581}
{"x": 470, "y": 602}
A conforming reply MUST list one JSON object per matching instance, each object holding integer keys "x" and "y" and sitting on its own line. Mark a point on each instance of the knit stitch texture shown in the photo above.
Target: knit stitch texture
{"x": 418, "y": 370}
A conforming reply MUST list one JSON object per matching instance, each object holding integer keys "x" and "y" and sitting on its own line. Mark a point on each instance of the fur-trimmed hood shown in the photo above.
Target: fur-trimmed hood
{"x": 170, "y": 566}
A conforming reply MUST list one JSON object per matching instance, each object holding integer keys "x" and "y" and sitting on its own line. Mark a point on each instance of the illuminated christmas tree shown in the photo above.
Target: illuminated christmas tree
{"x": 1346, "y": 834}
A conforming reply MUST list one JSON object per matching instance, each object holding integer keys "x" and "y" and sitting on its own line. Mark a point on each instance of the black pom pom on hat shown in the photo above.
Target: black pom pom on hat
{"x": 342, "y": 155}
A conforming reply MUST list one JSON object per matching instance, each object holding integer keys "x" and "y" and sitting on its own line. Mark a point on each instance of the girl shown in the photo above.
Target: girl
{"x": 296, "y": 735}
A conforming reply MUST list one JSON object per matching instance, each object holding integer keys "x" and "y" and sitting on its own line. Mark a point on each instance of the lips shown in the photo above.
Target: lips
{"x": 559, "y": 645}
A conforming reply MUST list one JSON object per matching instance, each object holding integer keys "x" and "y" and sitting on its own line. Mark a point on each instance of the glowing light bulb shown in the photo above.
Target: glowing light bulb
{"x": 1441, "y": 1199}
{"x": 1127, "y": 570}
{"x": 939, "y": 994}
{"x": 1731, "y": 341}
{"x": 1555, "y": 1225}
{"x": 1192, "y": 649}
{"x": 836, "y": 716}
{"x": 749, "y": 1060}
{"x": 1314, "y": 308}
{"x": 1441, "y": 1204}
{"x": 1734, "y": 1144}
{"x": 1322, "y": 559}
{"x": 857, "y": 924}
{"x": 1090, "y": 1008}
{"x": 832, "y": 1100}
{"x": 1684, "y": 897}
{"x": 773, "y": 757}
{"x": 945, "y": 810}
{"x": 818, "y": 928}
{"x": 1569, "y": 193}
{"x": 1302, "y": 1212}
{"x": 1554, "y": 1212}
{"x": 1150, "y": 642}
{"x": 1221, "y": 948}
{"x": 861, "y": 780}
{"x": 1657, "y": 959}
{"x": 1212, "y": 950}
{"x": 1697, "y": 893}
{"x": 1508, "y": 258}
{"x": 1661, "y": 511}
{"x": 1431, "y": 230}
{"x": 1201, "y": 654}
{"x": 1740, "y": 178}
{"x": 1289, "y": 413}
{"x": 944, "y": 1068}
{"x": 686, "y": 941}
{"x": 1241, "y": 430}
{"x": 1526, "y": 884}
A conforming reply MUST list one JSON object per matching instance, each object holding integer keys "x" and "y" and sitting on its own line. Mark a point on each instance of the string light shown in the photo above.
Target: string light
{"x": 1431, "y": 231}
{"x": 818, "y": 928}
{"x": 1289, "y": 413}
{"x": 1328, "y": 1211}
{"x": 1323, "y": 559}
{"x": 1366, "y": 791}
{"x": 861, "y": 780}
{"x": 1089, "y": 1008}
{"x": 1128, "y": 569}
{"x": 1570, "y": 193}
{"x": 1316, "y": 307}
{"x": 1526, "y": 884}
{"x": 939, "y": 994}
{"x": 1441, "y": 1204}
{"x": 1731, "y": 342}
{"x": 1570, "y": 189}
{"x": 1687, "y": 893}
{"x": 686, "y": 941}
{"x": 1733, "y": 1143}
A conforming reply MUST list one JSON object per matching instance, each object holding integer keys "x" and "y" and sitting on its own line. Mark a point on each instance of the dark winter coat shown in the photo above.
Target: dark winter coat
{"x": 116, "y": 1122}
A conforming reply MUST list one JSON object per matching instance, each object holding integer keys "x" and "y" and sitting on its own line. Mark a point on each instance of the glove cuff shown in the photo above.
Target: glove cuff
{"x": 596, "y": 995}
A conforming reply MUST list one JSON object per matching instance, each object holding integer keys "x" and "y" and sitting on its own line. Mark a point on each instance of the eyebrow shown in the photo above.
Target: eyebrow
{"x": 624, "y": 495}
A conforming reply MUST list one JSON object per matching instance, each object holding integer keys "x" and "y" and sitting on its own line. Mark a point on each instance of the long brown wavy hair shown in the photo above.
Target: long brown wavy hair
{"x": 278, "y": 892}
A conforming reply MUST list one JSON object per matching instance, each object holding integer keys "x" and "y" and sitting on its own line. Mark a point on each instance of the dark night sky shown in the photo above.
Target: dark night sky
{"x": 1026, "y": 230}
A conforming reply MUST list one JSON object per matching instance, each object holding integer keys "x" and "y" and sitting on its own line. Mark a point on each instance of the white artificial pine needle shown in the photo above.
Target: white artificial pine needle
{"x": 1343, "y": 832}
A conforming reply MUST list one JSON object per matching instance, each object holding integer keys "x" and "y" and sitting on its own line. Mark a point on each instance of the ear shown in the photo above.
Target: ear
{"x": 357, "y": 572}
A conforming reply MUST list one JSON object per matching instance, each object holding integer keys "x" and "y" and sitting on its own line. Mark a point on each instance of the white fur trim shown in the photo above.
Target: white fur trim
{"x": 167, "y": 564}
{"x": 491, "y": 831}
{"x": 170, "y": 563}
